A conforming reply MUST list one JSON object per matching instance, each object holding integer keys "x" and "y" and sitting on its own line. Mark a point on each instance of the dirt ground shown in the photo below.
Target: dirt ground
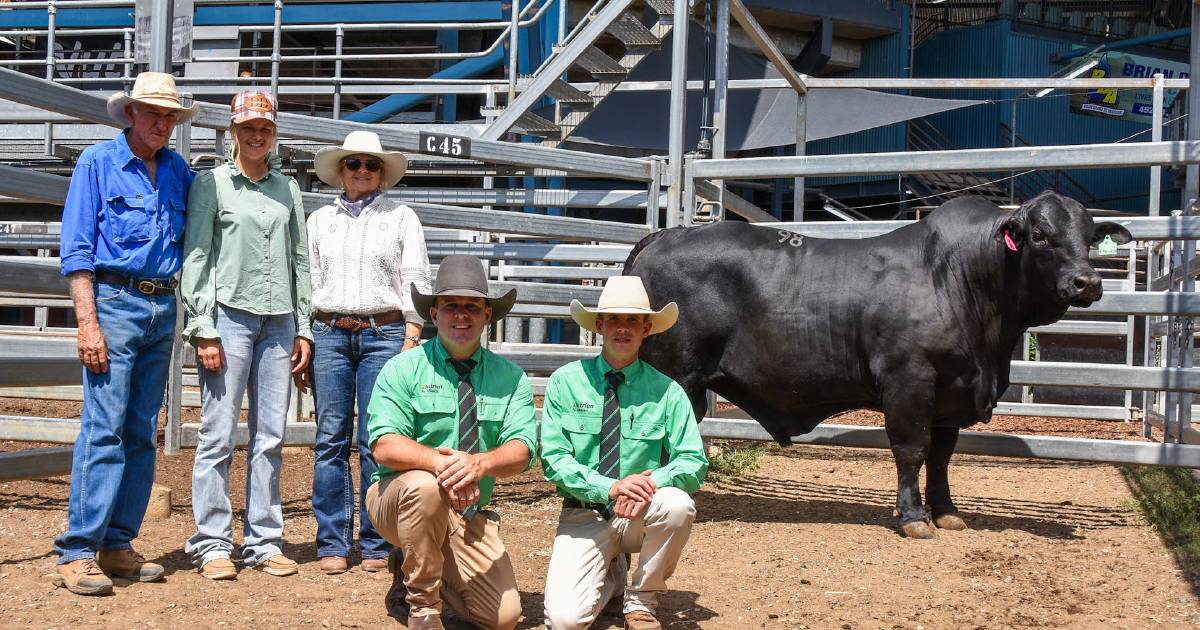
{"x": 805, "y": 541}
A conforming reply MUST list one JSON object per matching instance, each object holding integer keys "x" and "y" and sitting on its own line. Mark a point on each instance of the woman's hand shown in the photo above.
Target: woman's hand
{"x": 210, "y": 355}
{"x": 301, "y": 353}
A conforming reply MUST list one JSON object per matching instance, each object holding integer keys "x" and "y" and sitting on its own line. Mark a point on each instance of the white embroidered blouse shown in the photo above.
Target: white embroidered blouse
{"x": 365, "y": 265}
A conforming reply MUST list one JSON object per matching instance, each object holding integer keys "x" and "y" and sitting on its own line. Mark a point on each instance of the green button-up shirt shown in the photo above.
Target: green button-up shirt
{"x": 656, "y": 420}
{"x": 245, "y": 246}
{"x": 416, "y": 395}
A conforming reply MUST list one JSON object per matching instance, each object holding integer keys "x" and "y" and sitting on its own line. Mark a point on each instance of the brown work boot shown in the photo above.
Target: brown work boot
{"x": 396, "y": 599}
{"x": 278, "y": 565}
{"x": 219, "y": 569}
{"x": 641, "y": 620}
{"x": 83, "y": 577}
{"x": 374, "y": 565}
{"x": 333, "y": 565}
{"x": 426, "y": 622}
{"x": 128, "y": 564}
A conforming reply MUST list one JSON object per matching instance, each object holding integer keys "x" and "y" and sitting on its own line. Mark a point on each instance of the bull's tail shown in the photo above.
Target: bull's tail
{"x": 646, "y": 242}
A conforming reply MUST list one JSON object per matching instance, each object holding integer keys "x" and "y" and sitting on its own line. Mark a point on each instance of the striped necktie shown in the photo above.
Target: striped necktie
{"x": 610, "y": 429}
{"x": 468, "y": 422}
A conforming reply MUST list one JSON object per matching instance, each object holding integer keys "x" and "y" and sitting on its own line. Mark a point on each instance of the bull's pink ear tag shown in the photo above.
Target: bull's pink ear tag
{"x": 1107, "y": 247}
{"x": 1008, "y": 241}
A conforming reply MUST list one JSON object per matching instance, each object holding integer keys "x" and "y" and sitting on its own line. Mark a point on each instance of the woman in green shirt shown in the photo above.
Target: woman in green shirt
{"x": 246, "y": 290}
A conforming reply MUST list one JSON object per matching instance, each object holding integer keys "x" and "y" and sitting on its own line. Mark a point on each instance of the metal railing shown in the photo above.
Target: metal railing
{"x": 525, "y": 17}
{"x": 549, "y": 298}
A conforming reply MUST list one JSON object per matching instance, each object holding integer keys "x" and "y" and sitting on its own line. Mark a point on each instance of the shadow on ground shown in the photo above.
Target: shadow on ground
{"x": 759, "y": 499}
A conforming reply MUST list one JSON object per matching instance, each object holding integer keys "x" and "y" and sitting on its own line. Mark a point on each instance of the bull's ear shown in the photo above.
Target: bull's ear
{"x": 1014, "y": 226}
{"x": 1119, "y": 234}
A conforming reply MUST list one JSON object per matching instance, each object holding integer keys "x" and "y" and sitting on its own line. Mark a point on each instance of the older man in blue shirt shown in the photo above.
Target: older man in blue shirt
{"x": 121, "y": 238}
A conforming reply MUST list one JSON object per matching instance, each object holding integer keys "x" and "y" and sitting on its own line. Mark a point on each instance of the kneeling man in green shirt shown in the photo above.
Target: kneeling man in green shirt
{"x": 445, "y": 420}
{"x": 620, "y": 442}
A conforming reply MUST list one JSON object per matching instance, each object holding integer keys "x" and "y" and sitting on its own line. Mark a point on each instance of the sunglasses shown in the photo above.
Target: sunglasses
{"x": 354, "y": 164}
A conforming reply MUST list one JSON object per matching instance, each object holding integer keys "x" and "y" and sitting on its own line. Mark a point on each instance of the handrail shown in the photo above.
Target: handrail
{"x": 1076, "y": 187}
{"x": 500, "y": 39}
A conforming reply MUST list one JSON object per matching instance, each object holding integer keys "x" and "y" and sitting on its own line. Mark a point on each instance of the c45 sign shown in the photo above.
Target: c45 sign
{"x": 444, "y": 144}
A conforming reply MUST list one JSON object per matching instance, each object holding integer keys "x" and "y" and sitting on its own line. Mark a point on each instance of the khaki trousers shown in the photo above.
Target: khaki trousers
{"x": 446, "y": 559}
{"x": 587, "y": 568}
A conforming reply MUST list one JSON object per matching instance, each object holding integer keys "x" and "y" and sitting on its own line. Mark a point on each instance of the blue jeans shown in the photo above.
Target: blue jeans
{"x": 113, "y": 464}
{"x": 258, "y": 350}
{"x": 345, "y": 366}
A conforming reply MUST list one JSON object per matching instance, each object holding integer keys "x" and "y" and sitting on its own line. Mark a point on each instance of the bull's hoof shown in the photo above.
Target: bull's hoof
{"x": 919, "y": 530}
{"x": 950, "y": 521}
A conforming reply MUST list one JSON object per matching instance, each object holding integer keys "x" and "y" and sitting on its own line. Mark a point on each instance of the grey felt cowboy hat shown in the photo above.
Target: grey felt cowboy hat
{"x": 464, "y": 276}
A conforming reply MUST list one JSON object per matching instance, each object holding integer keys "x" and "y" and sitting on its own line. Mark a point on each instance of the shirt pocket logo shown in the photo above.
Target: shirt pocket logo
{"x": 128, "y": 220}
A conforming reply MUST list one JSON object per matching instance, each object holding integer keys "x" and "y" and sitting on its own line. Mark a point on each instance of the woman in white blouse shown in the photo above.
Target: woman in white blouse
{"x": 365, "y": 252}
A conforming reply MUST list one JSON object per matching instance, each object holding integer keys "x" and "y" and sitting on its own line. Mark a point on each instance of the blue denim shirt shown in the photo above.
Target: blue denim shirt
{"x": 115, "y": 219}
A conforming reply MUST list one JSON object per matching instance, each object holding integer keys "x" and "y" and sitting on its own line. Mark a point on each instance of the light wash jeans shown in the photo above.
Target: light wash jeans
{"x": 258, "y": 351}
{"x": 345, "y": 366}
{"x": 113, "y": 464}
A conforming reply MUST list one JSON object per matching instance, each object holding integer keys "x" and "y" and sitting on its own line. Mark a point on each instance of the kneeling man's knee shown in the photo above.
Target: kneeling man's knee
{"x": 565, "y": 617}
{"x": 421, "y": 491}
{"x": 675, "y": 507}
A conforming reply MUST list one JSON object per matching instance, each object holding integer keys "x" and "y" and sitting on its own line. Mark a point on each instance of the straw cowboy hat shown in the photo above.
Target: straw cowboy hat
{"x": 151, "y": 88}
{"x": 329, "y": 159}
{"x": 625, "y": 295}
{"x": 463, "y": 276}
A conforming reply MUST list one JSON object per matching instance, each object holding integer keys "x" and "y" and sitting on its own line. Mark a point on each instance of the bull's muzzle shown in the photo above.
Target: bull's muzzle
{"x": 1085, "y": 287}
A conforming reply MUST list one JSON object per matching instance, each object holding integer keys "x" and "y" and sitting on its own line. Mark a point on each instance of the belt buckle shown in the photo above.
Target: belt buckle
{"x": 146, "y": 286}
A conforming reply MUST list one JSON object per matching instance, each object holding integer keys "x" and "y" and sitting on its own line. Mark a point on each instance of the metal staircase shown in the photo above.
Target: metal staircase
{"x": 579, "y": 51}
{"x": 923, "y": 136}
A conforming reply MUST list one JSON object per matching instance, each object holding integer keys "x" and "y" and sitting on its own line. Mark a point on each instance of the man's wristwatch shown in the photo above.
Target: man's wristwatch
{"x": 415, "y": 340}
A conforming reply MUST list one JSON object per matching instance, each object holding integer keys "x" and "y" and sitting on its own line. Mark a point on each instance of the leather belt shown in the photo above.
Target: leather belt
{"x": 600, "y": 508}
{"x": 146, "y": 286}
{"x": 355, "y": 323}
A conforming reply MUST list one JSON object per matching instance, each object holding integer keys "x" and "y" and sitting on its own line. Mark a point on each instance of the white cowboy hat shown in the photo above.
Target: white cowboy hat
{"x": 151, "y": 88}
{"x": 329, "y": 159}
{"x": 625, "y": 295}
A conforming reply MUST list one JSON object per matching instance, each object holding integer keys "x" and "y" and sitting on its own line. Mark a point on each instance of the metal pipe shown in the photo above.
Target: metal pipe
{"x": 1156, "y": 121}
{"x": 801, "y": 150}
{"x": 1064, "y": 157}
{"x": 766, "y": 45}
{"x": 1127, "y": 43}
{"x": 679, "y": 36}
{"x": 277, "y": 35}
{"x": 26, "y": 32}
{"x": 720, "y": 93}
{"x": 67, "y": 62}
{"x": 514, "y": 33}
{"x": 127, "y": 72}
{"x": 1130, "y": 322}
{"x": 337, "y": 72}
{"x": 404, "y": 26}
{"x": 69, "y": 4}
{"x": 162, "y": 20}
{"x": 1192, "y": 192}
{"x": 562, "y": 19}
{"x": 51, "y": 23}
{"x": 1012, "y": 137}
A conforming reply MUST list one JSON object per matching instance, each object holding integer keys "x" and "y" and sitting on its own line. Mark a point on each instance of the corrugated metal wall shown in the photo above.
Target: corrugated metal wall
{"x": 882, "y": 57}
{"x": 995, "y": 50}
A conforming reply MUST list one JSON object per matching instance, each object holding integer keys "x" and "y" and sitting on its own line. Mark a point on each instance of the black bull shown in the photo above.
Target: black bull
{"x": 919, "y": 323}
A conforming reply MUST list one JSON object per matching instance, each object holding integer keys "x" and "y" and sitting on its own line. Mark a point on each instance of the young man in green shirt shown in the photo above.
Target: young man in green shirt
{"x": 445, "y": 420}
{"x": 620, "y": 442}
